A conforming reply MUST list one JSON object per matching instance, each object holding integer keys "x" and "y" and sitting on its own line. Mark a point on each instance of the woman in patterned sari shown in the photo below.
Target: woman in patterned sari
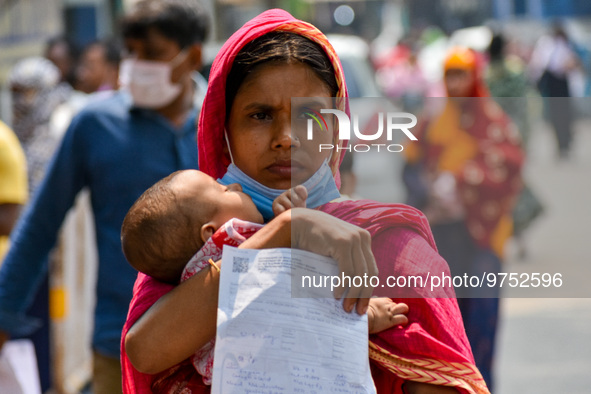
{"x": 464, "y": 174}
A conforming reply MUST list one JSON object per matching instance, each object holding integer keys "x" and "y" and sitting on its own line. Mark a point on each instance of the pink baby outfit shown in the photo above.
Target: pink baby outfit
{"x": 232, "y": 233}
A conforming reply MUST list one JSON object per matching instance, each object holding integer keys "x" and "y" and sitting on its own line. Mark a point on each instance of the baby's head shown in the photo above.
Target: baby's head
{"x": 171, "y": 221}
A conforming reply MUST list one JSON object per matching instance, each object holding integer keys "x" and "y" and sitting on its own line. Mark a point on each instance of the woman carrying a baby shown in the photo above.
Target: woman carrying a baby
{"x": 245, "y": 136}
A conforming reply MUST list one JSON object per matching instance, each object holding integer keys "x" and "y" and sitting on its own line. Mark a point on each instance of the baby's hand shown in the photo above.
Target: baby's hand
{"x": 292, "y": 198}
{"x": 384, "y": 313}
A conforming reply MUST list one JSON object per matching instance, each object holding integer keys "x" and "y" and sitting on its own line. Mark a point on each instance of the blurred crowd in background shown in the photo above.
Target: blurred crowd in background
{"x": 56, "y": 56}
{"x": 393, "y": 48}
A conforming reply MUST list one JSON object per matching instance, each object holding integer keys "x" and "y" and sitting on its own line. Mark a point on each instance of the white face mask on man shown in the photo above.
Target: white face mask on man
{"x": 149, "y": 81}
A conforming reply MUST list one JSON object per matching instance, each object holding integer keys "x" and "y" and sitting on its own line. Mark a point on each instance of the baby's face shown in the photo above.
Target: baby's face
{"x": 230, "y": 201}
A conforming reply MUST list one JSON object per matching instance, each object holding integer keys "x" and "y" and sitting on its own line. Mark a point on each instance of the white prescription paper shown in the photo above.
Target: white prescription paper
{"x": 268, "y": 342}
{"x": 18, "y": 368}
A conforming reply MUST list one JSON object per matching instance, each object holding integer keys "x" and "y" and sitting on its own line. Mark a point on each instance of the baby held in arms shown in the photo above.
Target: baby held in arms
{"x": 179, "y": 226}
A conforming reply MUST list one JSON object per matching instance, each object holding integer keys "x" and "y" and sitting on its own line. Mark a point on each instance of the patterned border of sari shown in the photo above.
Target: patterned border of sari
{"x": 426, "y": 370}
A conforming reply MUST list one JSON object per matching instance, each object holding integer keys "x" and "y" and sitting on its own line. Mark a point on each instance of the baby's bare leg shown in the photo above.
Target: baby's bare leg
{"x": 384, "y": 313}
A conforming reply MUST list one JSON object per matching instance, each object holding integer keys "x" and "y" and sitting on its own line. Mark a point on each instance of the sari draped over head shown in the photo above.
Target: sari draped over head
{"x": 36, "y": 97}
{"x": 211, "y": 141}
{"x": 433, "y": 347}
{"x": 476, "y": 142}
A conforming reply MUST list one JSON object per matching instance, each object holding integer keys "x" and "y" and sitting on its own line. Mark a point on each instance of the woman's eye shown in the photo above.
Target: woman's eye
{"x": 260, "y": 116}
{"x": 305, "y": 115}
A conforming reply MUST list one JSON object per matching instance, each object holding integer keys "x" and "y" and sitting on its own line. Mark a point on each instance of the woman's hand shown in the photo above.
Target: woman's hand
{"x": 349, "y": 245}
{"x": 321, "y": 233}
{"x": 176, "y": 325}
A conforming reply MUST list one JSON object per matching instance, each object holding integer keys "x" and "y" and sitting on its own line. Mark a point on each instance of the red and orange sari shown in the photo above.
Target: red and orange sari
{"x": 432, "y": 348}
{"x": 473, "y": 145}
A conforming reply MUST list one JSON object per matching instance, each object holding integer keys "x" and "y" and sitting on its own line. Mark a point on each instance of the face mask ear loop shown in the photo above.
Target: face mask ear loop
{"x": 179, "y": 58}
{"x": 335, "y": 141}
{"x": 228, "y": 143}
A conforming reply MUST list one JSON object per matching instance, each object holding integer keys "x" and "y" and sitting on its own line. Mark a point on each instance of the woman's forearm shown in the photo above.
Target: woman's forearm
{"x": 183, "y": 320}
{"x": 178, "y": 324}
{"x": 276, "y": 234}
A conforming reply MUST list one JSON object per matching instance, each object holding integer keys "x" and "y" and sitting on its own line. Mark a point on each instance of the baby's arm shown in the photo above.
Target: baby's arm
{"x": 292, "y": 198}
{"x": 383, "y": 313}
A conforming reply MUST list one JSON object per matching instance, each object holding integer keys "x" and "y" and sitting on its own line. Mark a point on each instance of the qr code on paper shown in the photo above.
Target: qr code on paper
{"x": 240, "y": 264}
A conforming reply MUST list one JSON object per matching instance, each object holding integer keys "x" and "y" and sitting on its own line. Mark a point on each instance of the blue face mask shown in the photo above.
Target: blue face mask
{"x": 321, "y": 189}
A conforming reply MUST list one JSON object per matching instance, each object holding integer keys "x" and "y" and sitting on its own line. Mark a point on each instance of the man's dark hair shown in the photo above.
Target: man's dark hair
{"x": 497, "y": 47}
{"x": 73, "y": 49}
{"x": 183, "y": 21}
{"x": 112, "y": 49}
{"x": 72, "y": 54}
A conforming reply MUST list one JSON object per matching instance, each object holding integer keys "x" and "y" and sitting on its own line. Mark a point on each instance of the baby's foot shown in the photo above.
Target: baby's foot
{"x": 384, "y": 313}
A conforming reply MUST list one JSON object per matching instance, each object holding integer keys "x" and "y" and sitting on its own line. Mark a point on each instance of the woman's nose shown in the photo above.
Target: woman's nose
{"x": 284, "y": 138}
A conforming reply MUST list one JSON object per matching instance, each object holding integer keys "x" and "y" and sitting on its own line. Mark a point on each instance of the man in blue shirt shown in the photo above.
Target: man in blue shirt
{"x": 117, "y": 148}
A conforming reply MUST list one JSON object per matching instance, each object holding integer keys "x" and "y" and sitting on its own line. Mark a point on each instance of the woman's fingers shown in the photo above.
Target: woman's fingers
{"x": 349, "y": 245}
{"x": 343, "y": 255}
{"x": 362, "y": 305}
{"x": 360, "y": 288}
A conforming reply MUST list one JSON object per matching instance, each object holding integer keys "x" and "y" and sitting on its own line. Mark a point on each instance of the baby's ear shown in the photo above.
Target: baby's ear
{"x": 207, "y": 231}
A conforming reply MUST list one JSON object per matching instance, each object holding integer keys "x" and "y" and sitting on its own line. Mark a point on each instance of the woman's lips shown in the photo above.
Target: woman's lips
{"x": 285, "y": 168}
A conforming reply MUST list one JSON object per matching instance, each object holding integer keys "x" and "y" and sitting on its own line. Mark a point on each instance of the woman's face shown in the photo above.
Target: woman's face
{"x": 24, "y": 101}
{"x": 459, "y": 83}
{"x": 262, "y": 142}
